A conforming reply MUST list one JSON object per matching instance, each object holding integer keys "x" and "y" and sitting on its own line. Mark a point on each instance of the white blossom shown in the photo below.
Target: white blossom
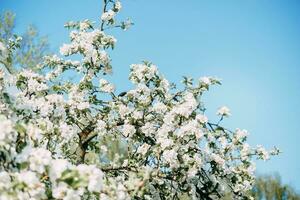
{"x": 262, "y": 152}
{"x": 66, "y": 49}
{"x": 60, "y": 191}
{"x": 118, "y": 5}
{"x": 109, "y": 15}
{"x": 143, "y": 149}
{"x": 105, "y": 86}
{"x": 202, "y": 119}
{"x": 7, "y": 134}
{"x": 170, "y": 156}
{"x": 57, "y": 167}
{"x": 205, "y": 80}
{"x": 128, "y": 130}
{"x": 224, "y": 111}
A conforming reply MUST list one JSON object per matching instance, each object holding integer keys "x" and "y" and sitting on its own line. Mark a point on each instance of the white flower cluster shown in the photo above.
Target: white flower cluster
{"x": 141, "y": 73}
{"x": 7, "y": 133}
{"x": 91, "y": 44}
{"x": 108, "y": 16}
{"x": 105, "y": 86}
{"x": 85, "y": 42}
{"x": 68, "y": 181}
{"x": 224, "y": 111}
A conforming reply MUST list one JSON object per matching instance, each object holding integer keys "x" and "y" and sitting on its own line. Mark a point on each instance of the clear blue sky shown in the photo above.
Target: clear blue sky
{"x": 252, "y": 45}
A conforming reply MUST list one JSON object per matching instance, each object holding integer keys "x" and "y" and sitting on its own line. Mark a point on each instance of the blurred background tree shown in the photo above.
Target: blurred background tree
{"x": 33, "y": 47}
{"x": 270, "y": 187}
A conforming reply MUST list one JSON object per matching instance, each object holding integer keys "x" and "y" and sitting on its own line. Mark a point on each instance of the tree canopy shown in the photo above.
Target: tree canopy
{"x": 53, "y": 130}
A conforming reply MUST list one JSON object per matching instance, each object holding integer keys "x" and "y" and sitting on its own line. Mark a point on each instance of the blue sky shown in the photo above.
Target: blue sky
{"x": 252, "y": 45}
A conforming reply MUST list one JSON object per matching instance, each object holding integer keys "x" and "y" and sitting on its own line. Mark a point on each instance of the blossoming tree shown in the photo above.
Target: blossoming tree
{"x": 52, "y": 129}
